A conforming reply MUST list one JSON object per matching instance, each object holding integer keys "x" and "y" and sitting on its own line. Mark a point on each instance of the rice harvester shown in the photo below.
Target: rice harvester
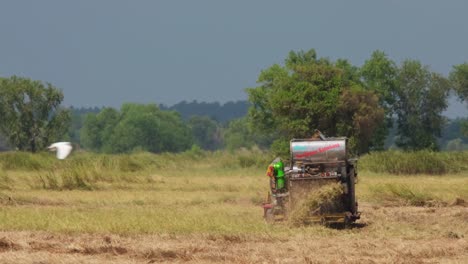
{"x": 314, "y": 162}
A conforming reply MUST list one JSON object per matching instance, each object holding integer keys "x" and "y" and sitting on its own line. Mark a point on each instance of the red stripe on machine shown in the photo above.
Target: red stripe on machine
{"x": 320, "y": 150}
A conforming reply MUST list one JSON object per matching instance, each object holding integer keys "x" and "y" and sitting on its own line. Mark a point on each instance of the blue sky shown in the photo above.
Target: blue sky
{"x": 106, "y": 52}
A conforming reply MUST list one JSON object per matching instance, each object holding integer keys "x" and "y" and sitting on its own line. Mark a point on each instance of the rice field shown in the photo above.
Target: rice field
{"x": 205, "y": 208}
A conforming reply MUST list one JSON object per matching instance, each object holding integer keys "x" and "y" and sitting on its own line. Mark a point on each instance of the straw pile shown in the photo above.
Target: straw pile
{"x": 327, "y": 199}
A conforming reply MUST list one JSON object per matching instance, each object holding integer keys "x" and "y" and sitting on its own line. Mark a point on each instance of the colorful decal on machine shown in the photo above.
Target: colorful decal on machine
{"x": 314, "y": 152}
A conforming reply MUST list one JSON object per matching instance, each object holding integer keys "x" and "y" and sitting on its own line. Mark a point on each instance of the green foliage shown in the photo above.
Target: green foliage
{"x": 222, "y": 113}
{"x": 459, "y": 79}
{"x": 417, "y": 162}
{"x": 98, "y": 127}
{"x": 239, "y": 134}
{"x": 280, "y": 147}
{"x": 454, "y": 130}
{"x": 379, "y": 74}
{"x": 135, "y": 127}
{"x": 195, "y": 152}
{"x": 78, "y": 116}
{"x": 309, "y": 93}
{"x": 31, "y": 114}
{"x": 362, "y": 108}
{"x": 421, "y": 96}
{"x": 206, "y": 132}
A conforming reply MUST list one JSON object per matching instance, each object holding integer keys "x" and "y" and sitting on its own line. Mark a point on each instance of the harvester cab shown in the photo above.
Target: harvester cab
{"x": 314, "y": 163}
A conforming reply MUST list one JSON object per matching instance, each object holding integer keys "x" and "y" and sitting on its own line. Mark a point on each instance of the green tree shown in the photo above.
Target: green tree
{"x": 421, "y": 97}
{"x": 459, "y": 78}
{"x": 98, "y": 128}
{"x": 239, "y": 134}
{"x": 309, "y": 93}
{"x": 360, "y": 116}
{"x": 205, "y": 131}
{"x": 135, "y": 127}
{"x": 32, "y": 116}
{"x": 379, "y": 74}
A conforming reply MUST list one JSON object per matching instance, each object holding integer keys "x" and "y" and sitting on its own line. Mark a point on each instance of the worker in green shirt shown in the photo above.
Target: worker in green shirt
{"x": 276, "y": 173}
{"x": 279, "y": 174}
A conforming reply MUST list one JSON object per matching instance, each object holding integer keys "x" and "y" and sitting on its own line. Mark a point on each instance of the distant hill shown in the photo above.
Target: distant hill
{"x": 221, "y": 112}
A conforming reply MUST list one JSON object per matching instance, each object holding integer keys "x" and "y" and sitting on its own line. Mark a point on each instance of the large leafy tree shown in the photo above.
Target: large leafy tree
{"x": 421, "y": 97}
{"x": 31, "y": 113}
{"x": 379, "y": 74}
{"x": 459, "y": 78}
{"x": 98, "y": 128}
{"x": 135, "y": 127}
{"x": 309, "y": 93}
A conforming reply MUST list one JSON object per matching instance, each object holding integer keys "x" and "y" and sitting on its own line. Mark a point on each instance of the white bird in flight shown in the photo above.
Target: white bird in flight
{"x": 63, "y": 149}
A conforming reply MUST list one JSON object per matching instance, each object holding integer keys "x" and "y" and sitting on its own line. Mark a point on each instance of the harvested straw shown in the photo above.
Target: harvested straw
{"x": 327, "y": 199}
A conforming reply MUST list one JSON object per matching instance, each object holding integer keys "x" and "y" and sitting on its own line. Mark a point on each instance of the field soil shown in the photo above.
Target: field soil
{"x": 383, "y": 235}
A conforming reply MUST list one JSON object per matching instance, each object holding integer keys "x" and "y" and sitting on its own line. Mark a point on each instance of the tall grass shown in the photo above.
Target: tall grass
{"x": 86, "y": 171}
{"x": 25, "y": 161}
{"x": 418, "y": 162}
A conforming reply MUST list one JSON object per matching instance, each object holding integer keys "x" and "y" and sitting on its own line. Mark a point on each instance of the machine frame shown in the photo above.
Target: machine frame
{"x": 313, "y": 163}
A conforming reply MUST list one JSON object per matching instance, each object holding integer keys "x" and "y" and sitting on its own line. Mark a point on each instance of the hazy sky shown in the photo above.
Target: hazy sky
{"x": 106, "y": 52}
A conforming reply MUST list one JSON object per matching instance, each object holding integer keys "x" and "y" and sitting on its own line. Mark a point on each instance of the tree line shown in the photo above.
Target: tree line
{"x": 362, "y": 103}
{"x": 376, "y": 105}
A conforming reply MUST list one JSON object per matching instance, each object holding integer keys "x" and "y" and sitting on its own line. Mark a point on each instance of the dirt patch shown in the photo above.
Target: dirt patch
{"x": 459, "y": 202}
{"x": 7, "y": 244}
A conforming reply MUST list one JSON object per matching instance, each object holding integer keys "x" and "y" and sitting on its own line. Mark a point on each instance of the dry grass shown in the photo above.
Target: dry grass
{"x": 178, "y": 208}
